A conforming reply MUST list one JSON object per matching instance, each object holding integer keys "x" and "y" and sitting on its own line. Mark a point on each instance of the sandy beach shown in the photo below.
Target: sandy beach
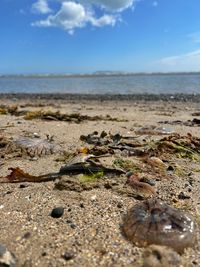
{"x": 89, "y": 233}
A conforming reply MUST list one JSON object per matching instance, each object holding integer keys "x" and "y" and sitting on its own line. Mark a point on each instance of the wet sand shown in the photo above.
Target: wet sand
{"x": 89, "y": 232}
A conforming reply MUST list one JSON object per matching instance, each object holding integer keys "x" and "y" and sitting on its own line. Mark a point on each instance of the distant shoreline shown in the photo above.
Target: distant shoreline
{"x": 102, "y": 97}
{"x": 90, "y": 75}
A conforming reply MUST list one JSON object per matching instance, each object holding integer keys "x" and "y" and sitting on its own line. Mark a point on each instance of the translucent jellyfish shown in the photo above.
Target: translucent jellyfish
{"x": 154, "y": 222}
{"x": 36, "y": 147}
{"x": 153, "y": 130}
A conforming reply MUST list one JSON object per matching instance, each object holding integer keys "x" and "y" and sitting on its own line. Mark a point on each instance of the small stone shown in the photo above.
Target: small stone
{"x": 68, "y": 255}
{"x": 36, "y": 135}
{"x": 57, "y": 212}
{"x": 34, "y": 159}
{"x": 7, "y": 259}
{"x": 27, "y": 235}
{"x": 183, "y": 196}
{"x": 93, "y": 198}
{"x": 170, "y": 168}
{"x": 73, "y": 226}
{"x": 119, "y": 205}
{"x": 23, "y": 185}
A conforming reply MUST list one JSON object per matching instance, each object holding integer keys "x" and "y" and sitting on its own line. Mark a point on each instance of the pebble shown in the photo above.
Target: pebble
{"x": 57, "y": 212}
{"x": 93, "y": 198}
{"x": 68, "y": 255}
{"x": 170, "y": 168}
{"x": 23, "y": 185}
{"x": 7, "y": 259}
{"x": 183, "y": 196}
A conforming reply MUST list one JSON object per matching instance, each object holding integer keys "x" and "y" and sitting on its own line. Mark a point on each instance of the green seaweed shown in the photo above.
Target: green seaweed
{"x": 127, "y": 165}
{"x": 180, "y": 150}
{"x": 185, "y": 152}
{"x": 87, "y": 178}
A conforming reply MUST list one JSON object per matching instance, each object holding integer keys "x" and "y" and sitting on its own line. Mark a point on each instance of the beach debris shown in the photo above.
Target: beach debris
{"x": 184, "y": 146}
{"x": 85, "y": 178}
{"x": 127, "y": 164}
{"x": 7, "y": 259}
{"x": 88, "y": 163}
{"x": 160, "y": 256}
{"x": 153, "y": 130}
{"x": 192, "y": 123}
{"x": 141, "y": 187}
{"x": 33, "y": 147}
{"x": 154, "y": 222}
{"x": 17, "y": 175}
{"x": 109, "y": 143}
{"x": 156, "y": 162}
{"x": 74, "y": 117}
{"x": 115, "y": 184}
{"x": 94, "y": 139}
{"x": 197, "y": 113}
{"x": 12, "y": 110}
{"x": 57, "y": 212}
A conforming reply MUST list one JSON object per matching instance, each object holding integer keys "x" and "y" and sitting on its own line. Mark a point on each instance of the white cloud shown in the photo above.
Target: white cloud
{"x": 113, "y": 5}
{"x": 186, "y": 62}
{"x": 103, "y": 21}
{"x": 77, "y": 14}
{"x": 41, "y": 6}
{"x": 73, "y": 15}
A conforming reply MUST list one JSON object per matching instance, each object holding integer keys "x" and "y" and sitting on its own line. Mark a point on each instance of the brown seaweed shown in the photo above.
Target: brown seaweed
{"x": 154, "y": 222}
{"x": 74, "y": 117}
{"x": 140, "y": 187}
{"x": 17, "y": 175}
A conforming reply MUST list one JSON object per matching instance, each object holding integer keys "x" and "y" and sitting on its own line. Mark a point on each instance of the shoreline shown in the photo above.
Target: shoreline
{"x": 102, "y": 97}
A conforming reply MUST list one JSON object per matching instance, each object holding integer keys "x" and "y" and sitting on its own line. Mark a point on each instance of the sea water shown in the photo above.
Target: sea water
{"x": 115, "y": 84}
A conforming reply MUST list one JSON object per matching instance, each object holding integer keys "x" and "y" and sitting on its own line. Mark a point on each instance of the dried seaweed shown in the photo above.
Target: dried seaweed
{"x": 140, "y": 187}
{"x": 88, "y": 164}
{"x": 12, "y": 110}
{"x": 192, "y": 123}
{"x": 126, "y": 164}
{"x": 74, "y": 117}
{"x": 183, "y": 146}
{"x": 17, "y": 175}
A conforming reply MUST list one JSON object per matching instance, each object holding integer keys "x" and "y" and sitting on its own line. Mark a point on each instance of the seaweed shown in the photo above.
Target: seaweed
{"x": 17, "y": 175}
{"x": 134, "y": 180}
{"x": 85, "y": 178}
{"x": 126, "y": 164}
{"x": 74, "y": 117}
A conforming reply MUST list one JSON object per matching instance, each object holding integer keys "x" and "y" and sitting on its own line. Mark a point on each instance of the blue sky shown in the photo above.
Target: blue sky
{"x": 68, "y": 36}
